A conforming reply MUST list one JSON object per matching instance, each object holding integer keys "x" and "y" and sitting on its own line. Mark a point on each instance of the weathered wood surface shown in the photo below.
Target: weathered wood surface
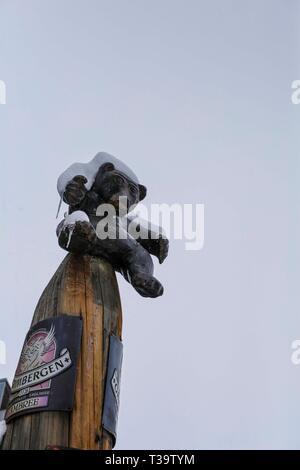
{"x": 87, "y": 287}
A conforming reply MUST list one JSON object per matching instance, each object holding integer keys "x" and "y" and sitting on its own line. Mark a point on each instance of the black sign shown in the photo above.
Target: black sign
{"x": 46, "y": 373}
{"x": 112, "y": 388}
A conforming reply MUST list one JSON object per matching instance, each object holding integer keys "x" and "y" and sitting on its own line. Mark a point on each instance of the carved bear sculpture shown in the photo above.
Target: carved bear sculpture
{"x": 100, "y": 195}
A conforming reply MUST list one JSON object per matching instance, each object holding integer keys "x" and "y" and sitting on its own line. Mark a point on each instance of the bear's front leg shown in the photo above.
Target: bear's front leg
{"x": 158, "y": 247}
{"x": 150, "y": 237}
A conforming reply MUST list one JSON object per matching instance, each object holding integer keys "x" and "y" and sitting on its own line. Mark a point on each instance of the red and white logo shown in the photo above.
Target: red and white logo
{"x": 39, "y": 349}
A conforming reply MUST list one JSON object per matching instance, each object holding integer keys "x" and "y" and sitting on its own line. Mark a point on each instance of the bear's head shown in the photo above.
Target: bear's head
{"x": 116, "y": 188}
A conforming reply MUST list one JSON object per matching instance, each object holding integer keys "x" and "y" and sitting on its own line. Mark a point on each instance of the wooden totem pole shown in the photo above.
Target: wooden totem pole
{"x": 85, "y": 287}
{"x": 66, "y": 389}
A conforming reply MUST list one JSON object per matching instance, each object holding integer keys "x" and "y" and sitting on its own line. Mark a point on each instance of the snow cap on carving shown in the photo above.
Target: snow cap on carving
{"x": 90, "y": 170}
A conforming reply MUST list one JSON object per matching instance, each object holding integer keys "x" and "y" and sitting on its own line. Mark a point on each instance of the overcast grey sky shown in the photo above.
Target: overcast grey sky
{"x": 195, "y": 96}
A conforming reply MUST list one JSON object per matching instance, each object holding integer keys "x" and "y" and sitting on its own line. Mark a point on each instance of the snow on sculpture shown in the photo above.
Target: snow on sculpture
{"x": 91, "y": 190}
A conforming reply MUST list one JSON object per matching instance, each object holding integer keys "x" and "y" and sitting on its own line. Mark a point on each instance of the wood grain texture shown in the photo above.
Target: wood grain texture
{"x": 87, "y": 287}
